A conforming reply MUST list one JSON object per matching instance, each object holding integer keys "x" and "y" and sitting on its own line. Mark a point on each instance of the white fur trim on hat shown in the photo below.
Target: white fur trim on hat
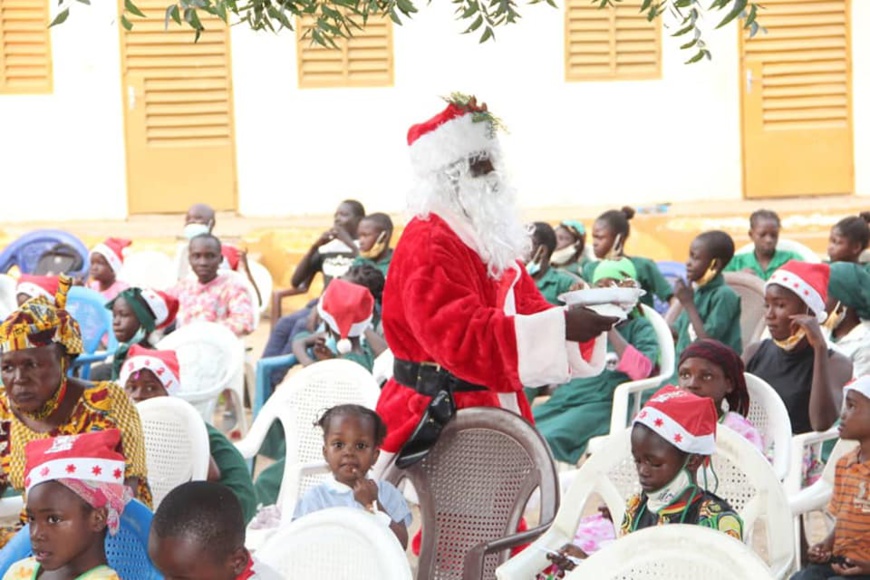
{"x": 111, "y": 257}
{"x": 804, "y": 291}
{"x": 158, "y": 366}
{"x": 674, "y": 433}
{"x": 356, "y": 329}
{"x": 157, "y": 305}
{"x": 457, "y": 139}
{"x": 85, "y": 468}
{"x": 33, "y": 290}
{"x": 860, "y": 385}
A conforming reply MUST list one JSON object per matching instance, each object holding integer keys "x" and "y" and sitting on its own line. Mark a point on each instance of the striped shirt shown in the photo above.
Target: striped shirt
{"x": 850, "y": 504}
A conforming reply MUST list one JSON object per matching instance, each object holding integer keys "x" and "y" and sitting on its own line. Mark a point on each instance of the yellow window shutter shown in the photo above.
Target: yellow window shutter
{"x": 615, "y": 42}
{"x": 25, "y": 47}
{"x": 363, "y": 60}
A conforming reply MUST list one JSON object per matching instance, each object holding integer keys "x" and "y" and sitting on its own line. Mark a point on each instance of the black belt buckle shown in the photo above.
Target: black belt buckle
{"x": 438, "y": 413}
{"x": 430, "y": 379}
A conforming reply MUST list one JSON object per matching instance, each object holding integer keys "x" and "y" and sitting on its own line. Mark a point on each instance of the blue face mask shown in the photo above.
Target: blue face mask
{"x": 533, "y": 268}
{"x": 331, "y": 344}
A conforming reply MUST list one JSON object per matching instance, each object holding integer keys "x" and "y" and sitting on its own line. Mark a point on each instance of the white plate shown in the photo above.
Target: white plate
{"x": 589, "y": 296}
{"x": 609, "y": 310}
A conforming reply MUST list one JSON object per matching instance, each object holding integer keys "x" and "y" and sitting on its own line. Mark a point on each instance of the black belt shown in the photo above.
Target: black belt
{"x": 433, "y": 381}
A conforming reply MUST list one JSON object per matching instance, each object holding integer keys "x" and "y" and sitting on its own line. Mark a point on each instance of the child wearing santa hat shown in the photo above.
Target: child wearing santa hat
{"x": 75, "y": 494}
{"x": 148, "y": 373}
{"x": 671, "y": 438}
{"x": 846, "y": 550}
{"x": 796, "y": 360}
{"x": 30, "y": 286}
{"x": 107, "y": 258}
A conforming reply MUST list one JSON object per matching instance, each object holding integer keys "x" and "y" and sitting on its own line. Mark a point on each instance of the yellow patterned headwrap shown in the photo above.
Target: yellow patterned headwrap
{"x": 38, "y": 323}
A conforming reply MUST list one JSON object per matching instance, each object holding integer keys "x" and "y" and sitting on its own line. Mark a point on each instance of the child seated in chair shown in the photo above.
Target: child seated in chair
{"x": 671, "y": 438}
{"x": 711, "y": 309}
{"x": 74, "y": 496}
{"x": 375, "y": 232}
{"x": 845, "y": 553}
{"x": 570, "y": 245}
{"x": 351, "y": 437}
{"x": 552, "y": 282}
{"x": 198, "y": 533}
{"x": 155, "y": 373}
{"x": 765, "y": 258}
{"x": 30, "y": 286}
{"x": 107, "y": 259}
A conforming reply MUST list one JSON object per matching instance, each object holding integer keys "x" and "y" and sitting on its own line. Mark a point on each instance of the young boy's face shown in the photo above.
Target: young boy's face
{"x": 841, "y": 248}
{"x": 765, "y": 234}
{"x": 63, "y": 528}
{"x": 657, "y": 461}
{"x": 143, "y": 385}
{"x": 699, "y": 260}
{"x": 367, "y": 233}
{"x": 184, "y": 559}
{"x": 855, "y": 417}
{"x": 349, "y": 447}
{"x": 124, "y": 320}
{"x": 100, "y": 270}
{"x": 205, "y": 258}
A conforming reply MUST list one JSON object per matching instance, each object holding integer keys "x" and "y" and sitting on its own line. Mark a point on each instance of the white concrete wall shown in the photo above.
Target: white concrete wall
{"x": 62, "y": 154}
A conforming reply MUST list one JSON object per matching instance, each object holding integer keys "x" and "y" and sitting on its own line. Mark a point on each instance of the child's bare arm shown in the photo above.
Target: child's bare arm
{"x": 821, "y": 553}
{"x": 401, "y": 532}
{"x": 375, "y": 341}
{"x": 300, "y": 350}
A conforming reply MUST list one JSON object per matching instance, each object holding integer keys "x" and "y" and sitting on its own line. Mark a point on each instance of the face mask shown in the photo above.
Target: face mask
{"x": 331, "y": 344}
{"x": 662, "y": 498}
{"x": 563, "y": 256}
{"x": 792, "y": 341}
{"x": 534, "y": 266}
{"x": 835, "y": 318}
{"x": 711, "y": 272}
{"x": 377, "y": 248}
{"x": 616, "y": 249}
{"x": 193, "y": 230}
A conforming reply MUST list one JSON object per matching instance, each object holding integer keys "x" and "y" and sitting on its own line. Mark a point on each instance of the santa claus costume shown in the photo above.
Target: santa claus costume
{"x": 461, "y": 314}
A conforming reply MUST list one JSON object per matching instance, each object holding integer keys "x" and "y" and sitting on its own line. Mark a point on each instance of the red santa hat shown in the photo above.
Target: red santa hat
{"x": 463, "y": 130}
{"x": 860, "y": 385}
{"x": 163, "y": 306}
{"x": 113, "y": 251}
{"x": 808, "y": 281}
{"x": 686, "y": 421}
{"x": 347, "y": 310}
{"x": 35, "y": 286}
{"x": 163, "y": 363}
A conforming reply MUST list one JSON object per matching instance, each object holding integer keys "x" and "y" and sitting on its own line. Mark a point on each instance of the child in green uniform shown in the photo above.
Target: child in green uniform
{"x": 375, "y": 232}
{"x": 569, "y": 254}
{"x": 155, "y": 373}
{"x": 764, "y": 226}
{"x": 580, "y": 409}
{"x": 609, "y": 235}
{"x": 550, "y": 281}
{"x": 711, "y": 309}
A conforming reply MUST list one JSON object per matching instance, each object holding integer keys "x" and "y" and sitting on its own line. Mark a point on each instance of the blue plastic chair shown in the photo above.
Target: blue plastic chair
{"x": 262, "y": 383}
{"x": 671, "y": 271}
{"x": 88, "y": 307}
{"x": 26, "y": 250}
{"x": 126, "y": 551}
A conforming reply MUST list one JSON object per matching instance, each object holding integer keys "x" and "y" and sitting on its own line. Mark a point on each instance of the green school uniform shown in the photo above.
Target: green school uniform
{"x": 575, "y": 268}
{"x": 719, "y": 307}
{"x": 553, "y": 283}
{"x": 748, "y": 260}
{"x": 648, "y": 276}
{"x": 383, "y": 264}
{"x": 580, "y": 409}
{"x": 234, "y": 471}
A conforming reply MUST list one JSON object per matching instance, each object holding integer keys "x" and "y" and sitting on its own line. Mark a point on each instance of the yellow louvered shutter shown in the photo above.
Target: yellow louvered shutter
{"x": 363, "y": 60}
{"x": 615, "y": 42}
{"x": 25, "y": 47}
{"x": 796, "y": 100}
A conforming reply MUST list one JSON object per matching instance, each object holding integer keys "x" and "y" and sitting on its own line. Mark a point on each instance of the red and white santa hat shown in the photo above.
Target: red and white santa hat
{"x": 347, "y": 309}
{"x": 163, "y": 363}
{"x": 163, "y": 306}
{"x": 90, "y": 456}
{"x": 808, "y": 281}
{"x": 859, "y": 385}
{"x": 113, "y": 251}
{"x": 34, "y": 286}
{"x": 462, "y": 130}
{"x": 686, "y": 421}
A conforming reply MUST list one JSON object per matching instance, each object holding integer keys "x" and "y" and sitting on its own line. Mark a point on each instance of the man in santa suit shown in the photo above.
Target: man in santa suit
{"x": 465, "y": 322}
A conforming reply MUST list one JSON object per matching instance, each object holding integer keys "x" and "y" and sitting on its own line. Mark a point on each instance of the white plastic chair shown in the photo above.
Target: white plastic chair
{"x": 768, "y": 414}
{"x": 176, "y": 444}
{"x": 297, "y": 403}
{"x": 8, "y": 297}
{"x": 263, "y": 278}
{"x": 801, "y": 444}
{"x": 212, "y": 360}
{"x": 750, "y": 289}
{"x": 816, "y": 496}
{"x": 675, "y": 552}
{"x": 306, "y": 548}
{"x": 806, "y": 254}
{"x": 745, "y": 480}
{"x": 148, "y": 269}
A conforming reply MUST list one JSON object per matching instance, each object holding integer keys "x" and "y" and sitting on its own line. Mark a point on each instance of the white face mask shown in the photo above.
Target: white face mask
{"x": 194, "y": 229}
{"x": 563, "y": 256}
{"x": 662, "y": 498}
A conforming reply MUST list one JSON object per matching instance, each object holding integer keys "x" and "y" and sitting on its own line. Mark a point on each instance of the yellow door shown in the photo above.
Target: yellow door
{"x": 179, "y": 114}
{"x": 796, "y": 86}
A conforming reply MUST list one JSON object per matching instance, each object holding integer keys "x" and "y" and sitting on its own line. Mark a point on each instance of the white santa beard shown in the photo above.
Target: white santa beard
{"x": 487, "y": 202}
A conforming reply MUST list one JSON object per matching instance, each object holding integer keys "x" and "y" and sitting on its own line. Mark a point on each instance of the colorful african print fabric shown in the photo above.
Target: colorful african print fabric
{"x": 29, "y": 568}
{"x": 39, "y": 322}
{"x": 706, "y": 510}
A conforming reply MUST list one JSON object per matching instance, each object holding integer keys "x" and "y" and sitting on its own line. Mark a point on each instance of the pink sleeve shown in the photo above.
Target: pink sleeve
{"x": 634, "y": 363}
{"x": 742, "y": 426}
